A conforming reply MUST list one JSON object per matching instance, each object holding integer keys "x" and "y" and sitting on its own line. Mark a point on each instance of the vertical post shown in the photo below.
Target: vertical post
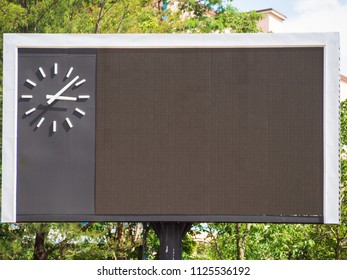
{"x": 171, "y": 235}
{"x": 144, "y": 241}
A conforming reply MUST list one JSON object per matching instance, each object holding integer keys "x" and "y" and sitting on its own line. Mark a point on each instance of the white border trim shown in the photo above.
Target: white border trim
{"x": 330, "y": 41}
{"x": 331, "y": 204}
{"x": 236, "y": 40}
{"x": 9, "y": 130}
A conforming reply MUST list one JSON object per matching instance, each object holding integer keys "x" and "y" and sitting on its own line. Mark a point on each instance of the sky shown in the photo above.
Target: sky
{"x": 308, "y": 16}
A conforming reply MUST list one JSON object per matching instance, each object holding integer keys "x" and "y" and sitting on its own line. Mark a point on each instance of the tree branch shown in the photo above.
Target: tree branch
{"x": 215, "y": 244}
{"x": 97, "y": 23}
{"x": 122, "y": 19}
{"x": 102, "y": 13}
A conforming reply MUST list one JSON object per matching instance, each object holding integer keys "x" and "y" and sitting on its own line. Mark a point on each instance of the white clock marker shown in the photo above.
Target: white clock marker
{"x": 80, "y": 82}
{"x": 69, "y": 72}
{"x": 31, "y": 82}
{"x": 42, "y": 72}
{"x": 26, "y": 96}
{"x": 80, "y": 111}
{"x": 54, "y": 126}
{"x": 55, "y": 68}
{"x": 40, "y": 122}
{"x": 69, "y": 122}
{"x": 30, "y": 111}
{"x": 83, "y": 96}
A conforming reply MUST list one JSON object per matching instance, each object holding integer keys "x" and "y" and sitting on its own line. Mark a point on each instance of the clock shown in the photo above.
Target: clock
{"x": 56, "y": 94}
{"x": 54, "y": 89}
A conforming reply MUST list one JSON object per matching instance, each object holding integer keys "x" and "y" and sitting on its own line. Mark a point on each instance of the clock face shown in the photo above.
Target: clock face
{"x": 56, "y": 130}
{"x": 54, "y": 91}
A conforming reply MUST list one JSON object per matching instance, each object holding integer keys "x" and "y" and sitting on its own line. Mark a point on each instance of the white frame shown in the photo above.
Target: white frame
{"x": 330, "y": 42}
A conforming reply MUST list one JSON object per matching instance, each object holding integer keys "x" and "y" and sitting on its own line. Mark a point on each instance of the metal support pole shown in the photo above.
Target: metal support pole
{"x": 171, "y": 235}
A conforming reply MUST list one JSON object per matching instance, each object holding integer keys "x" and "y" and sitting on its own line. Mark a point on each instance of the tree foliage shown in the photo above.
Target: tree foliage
{"x": 123, "y": 16}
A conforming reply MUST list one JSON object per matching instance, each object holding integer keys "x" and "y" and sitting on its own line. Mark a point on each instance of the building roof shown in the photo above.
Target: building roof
{"x": 273, "y": 12}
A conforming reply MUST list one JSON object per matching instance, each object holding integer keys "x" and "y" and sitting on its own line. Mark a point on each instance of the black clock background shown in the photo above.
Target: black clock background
{"x": 55, "y": 171}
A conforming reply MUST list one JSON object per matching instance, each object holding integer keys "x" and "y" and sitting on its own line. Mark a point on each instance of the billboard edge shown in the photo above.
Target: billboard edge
{"x": 331, "y": 130}
{"x": 330, "y": 42}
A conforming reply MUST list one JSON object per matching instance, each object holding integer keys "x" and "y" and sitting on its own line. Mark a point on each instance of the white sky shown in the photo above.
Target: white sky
{"x": 308, "y": 16}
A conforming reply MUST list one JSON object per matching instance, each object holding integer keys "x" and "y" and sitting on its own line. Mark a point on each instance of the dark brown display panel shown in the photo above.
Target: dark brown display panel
{"x": 209, "y": 133}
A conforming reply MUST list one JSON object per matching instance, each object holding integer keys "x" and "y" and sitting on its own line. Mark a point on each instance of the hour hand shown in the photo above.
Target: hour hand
{"x": 65, "y": 98}
{"x": 60, "y": 92}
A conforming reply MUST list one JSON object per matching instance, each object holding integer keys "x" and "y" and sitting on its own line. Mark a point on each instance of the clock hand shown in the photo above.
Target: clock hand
{"x": 60, "y": 92}
{"x": 66, "y": 98}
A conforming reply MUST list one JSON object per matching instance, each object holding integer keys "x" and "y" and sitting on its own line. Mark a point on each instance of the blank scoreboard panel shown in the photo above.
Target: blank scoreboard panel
{"x": 195, "y": 132}
{"x": 212, "y": 131}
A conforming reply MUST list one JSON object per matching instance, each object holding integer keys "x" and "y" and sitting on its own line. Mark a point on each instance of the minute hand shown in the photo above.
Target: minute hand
{"x": 60, "y": 92}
